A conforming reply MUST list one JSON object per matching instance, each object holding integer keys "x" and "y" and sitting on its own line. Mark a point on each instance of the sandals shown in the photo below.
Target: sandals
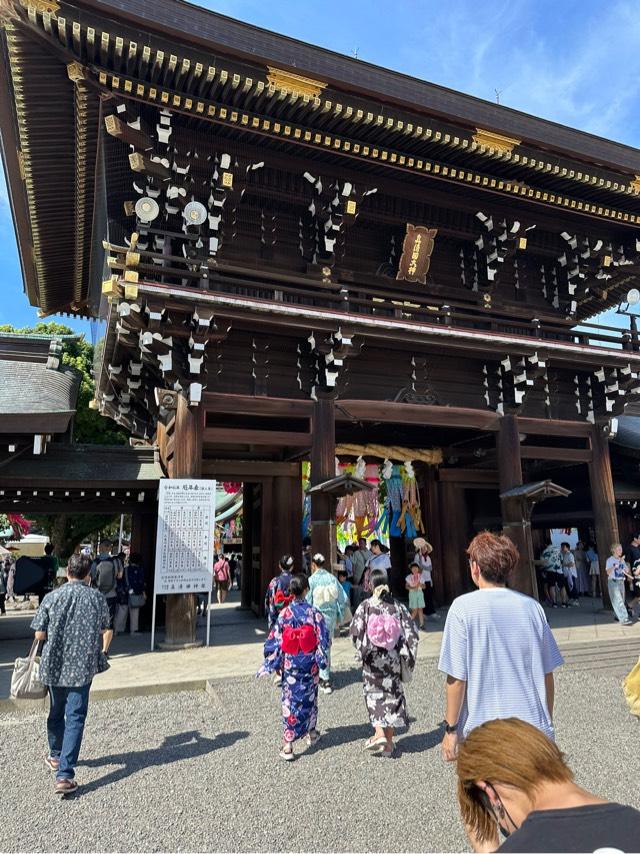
{"x": 313, "y": 737}
{"x": 65, "y": 787}
{"x": 386, "y": 752}
{"x": 374, "y": 743}
{"x": 286, "y": 753}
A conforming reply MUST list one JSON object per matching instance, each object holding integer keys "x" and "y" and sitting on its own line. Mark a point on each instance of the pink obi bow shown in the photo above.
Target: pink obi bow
{"x": 299, "y": 640}
{"x": 384, "y": 630}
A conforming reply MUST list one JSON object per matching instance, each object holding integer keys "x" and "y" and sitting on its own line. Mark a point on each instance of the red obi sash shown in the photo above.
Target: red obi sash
{"x": 299, "y": 640}
{"x": 281, "y": 600}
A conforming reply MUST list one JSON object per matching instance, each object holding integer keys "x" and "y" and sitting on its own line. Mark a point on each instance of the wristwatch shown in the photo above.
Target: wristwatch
{"x": 450, "y": 728}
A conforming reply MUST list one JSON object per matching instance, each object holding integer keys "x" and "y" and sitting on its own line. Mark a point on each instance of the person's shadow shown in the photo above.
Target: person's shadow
{"x": 420, "y": 741}
{"x": 175, "y": 748}
{"x": 416, "y": 743}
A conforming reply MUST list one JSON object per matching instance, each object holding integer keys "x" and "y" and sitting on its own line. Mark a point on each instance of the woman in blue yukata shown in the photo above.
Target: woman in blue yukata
{"x": 328, "y": 596}
{"x": 297, "y": 647}
{"x": 278, "y": 595}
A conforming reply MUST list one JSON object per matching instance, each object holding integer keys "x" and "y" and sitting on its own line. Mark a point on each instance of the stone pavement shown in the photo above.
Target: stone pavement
{"x": 237, "y": 636}
{"x": 199, "y": 771}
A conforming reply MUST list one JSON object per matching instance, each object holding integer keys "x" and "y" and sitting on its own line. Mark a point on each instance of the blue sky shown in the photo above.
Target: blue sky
{"x": 573, "y": 61}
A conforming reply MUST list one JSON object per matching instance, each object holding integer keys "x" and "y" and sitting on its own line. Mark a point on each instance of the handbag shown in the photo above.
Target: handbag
{"x": 25, "y": 679}
{"x": 631, "y": 686}
{"x": 406, "y": 673}
{"x": 135, "y": 600}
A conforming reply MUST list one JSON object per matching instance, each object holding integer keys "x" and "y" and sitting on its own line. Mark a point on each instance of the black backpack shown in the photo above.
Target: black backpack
{"x": 106, "y": 575}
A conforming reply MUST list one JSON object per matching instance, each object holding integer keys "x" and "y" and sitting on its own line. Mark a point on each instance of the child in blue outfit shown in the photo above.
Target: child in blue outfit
{"x": 347, "y": 586}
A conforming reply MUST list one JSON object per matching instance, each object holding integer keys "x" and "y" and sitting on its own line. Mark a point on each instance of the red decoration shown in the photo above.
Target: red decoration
{"x": 19, "y": 525}
{"x": 232, "y": 488}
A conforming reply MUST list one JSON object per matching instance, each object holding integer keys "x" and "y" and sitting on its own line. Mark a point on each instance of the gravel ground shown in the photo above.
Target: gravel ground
{"x": 192, "y": 772}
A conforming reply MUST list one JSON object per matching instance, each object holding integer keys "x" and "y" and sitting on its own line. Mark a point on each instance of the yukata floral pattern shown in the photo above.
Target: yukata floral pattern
{"x": 73, "y": 616}
{"x": 280, "y": 582}
{"x": 328, "y": 596}
{"x": 382, "y": 668}
{"x": 300, "y": 672}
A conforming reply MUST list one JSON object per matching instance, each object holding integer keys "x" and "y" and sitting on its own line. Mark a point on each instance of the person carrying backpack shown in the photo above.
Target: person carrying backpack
{"x": 386, "y": 642}
{"x": 106, "y": 570}
{"x": 277, "y": 596}
{"x": 222, "y": 577}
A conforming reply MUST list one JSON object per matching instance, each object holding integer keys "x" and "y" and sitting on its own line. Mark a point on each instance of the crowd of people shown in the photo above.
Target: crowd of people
{"x": 498, "y": 656}
{"x": 566, "y": 574}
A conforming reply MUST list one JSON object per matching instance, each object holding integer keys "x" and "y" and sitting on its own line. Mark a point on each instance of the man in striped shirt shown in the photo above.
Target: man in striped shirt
{"x": 498, "y": 651}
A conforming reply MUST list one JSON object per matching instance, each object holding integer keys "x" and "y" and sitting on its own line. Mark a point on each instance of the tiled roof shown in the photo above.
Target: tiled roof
{"x": 69, "y": 465}
{"x": 30, "y": 387}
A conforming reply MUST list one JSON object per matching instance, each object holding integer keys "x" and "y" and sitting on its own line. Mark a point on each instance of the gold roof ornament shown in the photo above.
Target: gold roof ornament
{"x": 499, "y": 143}
{"x": 285, "y": 81}
{"x": 635, "y": 184}
{"x": 49, "y": 6}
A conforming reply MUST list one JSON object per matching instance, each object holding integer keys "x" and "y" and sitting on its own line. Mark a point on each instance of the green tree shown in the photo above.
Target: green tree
{"x": 66, "y": 531}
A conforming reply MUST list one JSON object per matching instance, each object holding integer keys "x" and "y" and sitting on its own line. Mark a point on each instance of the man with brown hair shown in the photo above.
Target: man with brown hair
{"x": 512, "y": 777}
{"x": 498, "y": 651}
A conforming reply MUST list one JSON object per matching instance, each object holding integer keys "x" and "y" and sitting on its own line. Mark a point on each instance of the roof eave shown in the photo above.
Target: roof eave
{"x": 234, "y": 38}
{"x": 9, "y": 148}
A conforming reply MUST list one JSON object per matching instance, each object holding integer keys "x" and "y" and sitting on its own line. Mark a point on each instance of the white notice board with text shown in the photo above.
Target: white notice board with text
{"x": 185, "y": 542}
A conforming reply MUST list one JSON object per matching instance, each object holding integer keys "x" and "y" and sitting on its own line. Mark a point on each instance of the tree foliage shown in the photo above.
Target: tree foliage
{"x": 65, "y": 530}
{"x": 90, "y": 427}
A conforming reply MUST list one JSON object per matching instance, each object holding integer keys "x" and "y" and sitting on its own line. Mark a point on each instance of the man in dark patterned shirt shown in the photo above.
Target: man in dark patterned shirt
{"x": 71, "y": 620}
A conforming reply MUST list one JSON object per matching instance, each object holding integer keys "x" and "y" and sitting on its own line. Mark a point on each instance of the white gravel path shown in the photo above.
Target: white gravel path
{"x": 191, "y": 772}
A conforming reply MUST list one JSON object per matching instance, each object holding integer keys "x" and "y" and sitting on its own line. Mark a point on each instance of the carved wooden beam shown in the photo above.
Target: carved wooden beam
{"x": 328, "y": 359}
{"x": 333, "y": 208}
{"x": 499, "y": 241}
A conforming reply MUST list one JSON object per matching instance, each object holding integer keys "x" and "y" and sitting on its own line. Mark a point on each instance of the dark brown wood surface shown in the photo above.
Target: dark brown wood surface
{"x": 187, "y": 460}
{"x": 323, "y": 453}
{"x": 603, "y": 501}
{"x": 516, "y": 522}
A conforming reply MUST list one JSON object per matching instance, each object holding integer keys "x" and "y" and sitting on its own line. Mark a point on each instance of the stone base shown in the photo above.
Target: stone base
{"x": 165, "y": 645}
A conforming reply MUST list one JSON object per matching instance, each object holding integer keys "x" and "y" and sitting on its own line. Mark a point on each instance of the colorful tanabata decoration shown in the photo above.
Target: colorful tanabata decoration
{"x": 392, "y": 509}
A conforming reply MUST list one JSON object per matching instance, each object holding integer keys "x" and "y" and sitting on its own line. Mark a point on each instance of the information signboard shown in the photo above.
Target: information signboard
{"x": 184, "y": 546}
{"x": 185, "y": 541}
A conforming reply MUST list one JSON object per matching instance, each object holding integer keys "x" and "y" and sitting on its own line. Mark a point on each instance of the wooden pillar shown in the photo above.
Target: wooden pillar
{"x": 287, "y": 519}
{"x": 431, "y": 514}
{"x": 143, "y": 540}
{"x": 399, "y": 569}
{"x": 514, "y": 523}
{"x": 323, "y": 467}
{"x": 603, "y": 502}
{"x": 247, "y": 545}
{"x": 454, "y": 577}
{"x": 187, "y": 463}
{"x": 268, "y": 557}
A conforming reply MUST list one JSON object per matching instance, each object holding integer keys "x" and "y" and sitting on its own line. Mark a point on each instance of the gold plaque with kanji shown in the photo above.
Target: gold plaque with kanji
{"x": 417, "y": 247}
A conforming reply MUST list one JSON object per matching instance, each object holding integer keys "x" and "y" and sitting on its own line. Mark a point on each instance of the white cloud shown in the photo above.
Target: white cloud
{"x": 574, "y": 65}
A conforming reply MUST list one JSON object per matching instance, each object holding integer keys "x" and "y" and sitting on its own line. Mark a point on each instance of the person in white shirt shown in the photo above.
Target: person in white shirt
{"x": 617, "y": 570}
{"x": 423, "y": 558}
{"x": 570, "y": 572}
{"x": 498, "y": 651}
{"x": 379, "y": 557}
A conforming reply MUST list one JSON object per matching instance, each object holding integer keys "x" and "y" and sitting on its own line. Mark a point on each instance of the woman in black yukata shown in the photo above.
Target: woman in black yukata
{"x": 386, "y": 642}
